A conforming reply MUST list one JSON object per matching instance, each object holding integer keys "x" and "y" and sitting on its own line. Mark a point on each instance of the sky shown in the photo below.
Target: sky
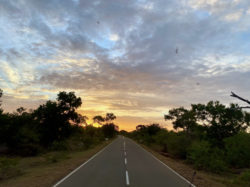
{"x": 135, "y": 58}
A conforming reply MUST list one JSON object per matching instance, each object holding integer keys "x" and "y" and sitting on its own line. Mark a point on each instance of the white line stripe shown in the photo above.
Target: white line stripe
{"x": 125, "y": 153}
{"x": 165, "y": 165}
{"x": 127, "y": 178}
{"x": 125, "y": 161}
{"x": 67, "y": 176}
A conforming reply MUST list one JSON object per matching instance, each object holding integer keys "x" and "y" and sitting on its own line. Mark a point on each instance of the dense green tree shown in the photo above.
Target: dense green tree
{"x": 221, "y": 121}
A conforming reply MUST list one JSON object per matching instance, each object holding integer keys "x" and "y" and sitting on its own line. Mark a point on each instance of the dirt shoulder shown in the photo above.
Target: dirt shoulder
{"x": 47, "y": 169}
{"x": 201, "y": 178}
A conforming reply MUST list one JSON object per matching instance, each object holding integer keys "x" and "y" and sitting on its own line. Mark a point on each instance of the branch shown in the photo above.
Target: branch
{"x": 245, "y": 107}
{"x": 240, "y": 98}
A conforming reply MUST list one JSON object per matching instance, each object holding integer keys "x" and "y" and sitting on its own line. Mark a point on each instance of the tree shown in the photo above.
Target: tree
{"x": 240, "y": 98}
{"x": 82, "y": 119}
{"x": 153, "y": 129}
{"x": 109, "y": 130}
{"x": 1, "y": 94}
{"x": 55, "y": 118}
{"x": 220, "y": 121}
{"x": 68, "y": 103}
{"x": 110, "y": 117}
{"x": 183, "y": 118}
{"x": 217, "y": 120}
{"x": 98, "y": 119}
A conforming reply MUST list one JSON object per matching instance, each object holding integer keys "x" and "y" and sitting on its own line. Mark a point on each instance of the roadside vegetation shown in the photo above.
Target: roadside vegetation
{"x": 210, "y": 137}
{"x": 48, "y": 134}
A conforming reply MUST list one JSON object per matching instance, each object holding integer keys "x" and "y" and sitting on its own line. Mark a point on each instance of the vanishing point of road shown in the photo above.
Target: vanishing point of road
{"x": 123, "y": 163}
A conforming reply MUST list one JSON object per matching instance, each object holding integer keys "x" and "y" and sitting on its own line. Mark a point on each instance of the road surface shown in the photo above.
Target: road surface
{"x": 123, "y": 163}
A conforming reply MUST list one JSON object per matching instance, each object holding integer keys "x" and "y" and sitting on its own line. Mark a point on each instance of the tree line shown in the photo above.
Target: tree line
{"x": 210, "y": 136}
{"x": 50, "y": 126}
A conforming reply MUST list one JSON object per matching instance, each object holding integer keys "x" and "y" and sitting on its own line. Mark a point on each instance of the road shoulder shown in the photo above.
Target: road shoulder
{"x": 42, "y": 174}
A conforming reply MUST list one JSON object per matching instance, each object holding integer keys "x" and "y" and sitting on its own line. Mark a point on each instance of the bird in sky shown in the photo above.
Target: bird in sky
{"x": 176, "y": 50}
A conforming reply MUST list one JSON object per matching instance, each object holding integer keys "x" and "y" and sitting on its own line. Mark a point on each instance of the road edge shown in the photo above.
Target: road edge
{"x": 179, "y": 175}
{"x": 84, "y": 163}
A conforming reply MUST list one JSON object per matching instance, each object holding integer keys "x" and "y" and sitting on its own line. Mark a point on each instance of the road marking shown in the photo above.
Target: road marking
{"x": 124, "y": 145}
{"x": 125, "y": 153}
{"x": 165, "y": 165}
{"x": 67, "y": 176}
{"x": 125, "y": 160}
{"x": 127, "y": 178}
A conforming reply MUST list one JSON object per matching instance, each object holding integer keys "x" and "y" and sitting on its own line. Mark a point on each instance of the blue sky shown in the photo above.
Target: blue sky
{"x": 120, "y": 56}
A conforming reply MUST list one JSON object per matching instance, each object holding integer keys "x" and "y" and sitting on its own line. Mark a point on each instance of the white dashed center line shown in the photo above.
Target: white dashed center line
{"x": 127, "y": 178}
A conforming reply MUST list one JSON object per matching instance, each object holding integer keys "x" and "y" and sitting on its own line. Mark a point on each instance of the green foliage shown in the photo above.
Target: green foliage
{"x": 177, "y": 144}
{"x": 203, "y": 156}
{"x": 8, "y": 168}
{"x": 217, "y": 120}
{"x": 220, "y": 121}
{"x": 54, "y": 157}
{"x": 243, "y": 179}
{"x": 238, "y": 150}
{"x": 183, "y": 118}
{"x": 210, "y": 136}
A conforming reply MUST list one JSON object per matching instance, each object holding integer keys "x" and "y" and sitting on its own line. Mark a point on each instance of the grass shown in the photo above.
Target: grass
{"x": 201, "y": 178}
{"x": 47, "y": 169}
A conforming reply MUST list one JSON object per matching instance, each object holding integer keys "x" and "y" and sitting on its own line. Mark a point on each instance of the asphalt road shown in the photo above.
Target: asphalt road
{"x": 123, "y": 163}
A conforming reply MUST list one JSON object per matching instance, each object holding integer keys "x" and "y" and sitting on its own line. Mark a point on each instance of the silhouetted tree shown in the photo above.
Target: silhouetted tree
{"x": 99, "y": 119}
{"x": 1, "y": 94}
{"x": 240, "y": 98}
{"x": 183, "y": 118}
{"x": 109, "y": 130}
{"x": 55, "y": 118}
{"x": 82, "y": 119}
{"x": 218, "y": 120}
{"x": 110, "y": 117}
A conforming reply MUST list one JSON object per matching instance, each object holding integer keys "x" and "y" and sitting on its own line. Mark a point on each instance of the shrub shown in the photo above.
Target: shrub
{"x": 203, "y": 156}
{"x": 177, "y": 144}
{"x": 7, "y": 168}
{"x": 54, "y": 157}
{"x": 59, "y": 146}
{"x": 238, "y": 150}
{"x": 243, "y": 179}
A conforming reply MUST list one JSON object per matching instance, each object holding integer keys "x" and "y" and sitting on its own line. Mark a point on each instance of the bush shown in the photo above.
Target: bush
{"x": 54, "y": 157}
{"x": 177, "y": 144}
{"x": 203, "y": 156}
{"x": 238, "y": 150}
{"x": 59, "y": 146}
{"x": 243, "y": 179}
{"x": 7, "y": 168}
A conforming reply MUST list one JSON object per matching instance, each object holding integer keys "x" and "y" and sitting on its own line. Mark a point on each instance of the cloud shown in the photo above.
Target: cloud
{"x": 135, "y": 58}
